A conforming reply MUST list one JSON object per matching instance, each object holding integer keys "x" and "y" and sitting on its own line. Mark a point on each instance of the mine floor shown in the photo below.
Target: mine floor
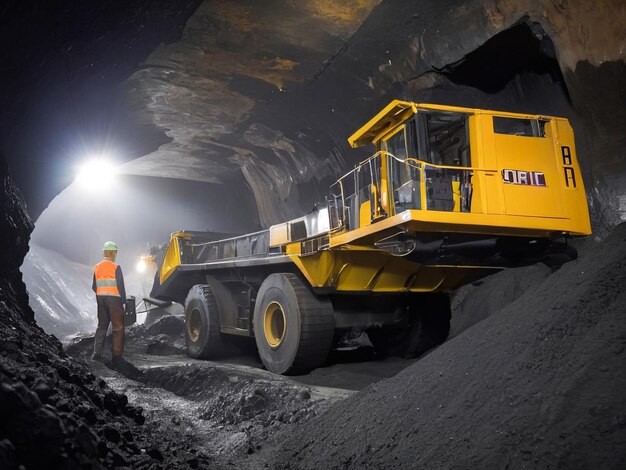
{"x": 230, "y": 407}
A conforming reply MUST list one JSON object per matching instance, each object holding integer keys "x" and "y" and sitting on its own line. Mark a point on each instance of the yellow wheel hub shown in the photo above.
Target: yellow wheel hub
{"x": 194, "y": 324}
{"x": 274, "y": 324}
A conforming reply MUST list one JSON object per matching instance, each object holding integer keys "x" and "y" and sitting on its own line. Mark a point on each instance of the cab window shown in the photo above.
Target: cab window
{"x": 447, "y": 138}
{"x": 396, "y": 145}
{"x": 519, "y": 127}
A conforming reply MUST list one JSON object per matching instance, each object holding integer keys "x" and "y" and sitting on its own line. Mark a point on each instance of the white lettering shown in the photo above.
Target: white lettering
{"x": 525, "y": 178}
{"x": 509, "y": 176}
{"x": 522, "y": 177}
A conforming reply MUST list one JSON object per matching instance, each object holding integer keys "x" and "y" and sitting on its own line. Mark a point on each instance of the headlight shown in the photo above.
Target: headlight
{"x": 141, "y": 266}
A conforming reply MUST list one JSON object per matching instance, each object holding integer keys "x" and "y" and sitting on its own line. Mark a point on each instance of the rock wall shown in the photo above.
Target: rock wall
{"x": 15, "y": 229}
{"x": 60, "y": 293}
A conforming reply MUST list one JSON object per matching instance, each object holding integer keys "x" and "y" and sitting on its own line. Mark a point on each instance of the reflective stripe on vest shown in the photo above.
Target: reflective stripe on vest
{"x": 106, "y": 284}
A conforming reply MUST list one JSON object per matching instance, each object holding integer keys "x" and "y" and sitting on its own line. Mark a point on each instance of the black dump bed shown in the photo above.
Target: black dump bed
{"x": 210, "y": 251}
{"x": 207, "y": 247}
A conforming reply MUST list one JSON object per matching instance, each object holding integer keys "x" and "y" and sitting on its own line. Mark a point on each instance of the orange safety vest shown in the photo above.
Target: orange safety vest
{"x": 106, "y": 284}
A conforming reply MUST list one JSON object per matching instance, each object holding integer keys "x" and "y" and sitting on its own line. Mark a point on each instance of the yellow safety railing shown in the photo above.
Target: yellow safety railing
{"x": 415, "y": 163}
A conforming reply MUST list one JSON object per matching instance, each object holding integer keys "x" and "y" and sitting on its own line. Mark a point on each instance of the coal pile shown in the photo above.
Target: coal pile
{"x": 474, "y": 302}
{"x": 165, "y": 337}
{"x": 538, "y": 385}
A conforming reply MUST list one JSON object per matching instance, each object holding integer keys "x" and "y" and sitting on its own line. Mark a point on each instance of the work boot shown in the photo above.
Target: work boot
{"x": 117, "y": 362}
{"x": 96, "y": 357}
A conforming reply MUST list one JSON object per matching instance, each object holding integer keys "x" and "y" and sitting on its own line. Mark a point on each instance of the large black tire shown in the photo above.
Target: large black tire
{"x": 428, "y": 326}
{"x": 293, "y": 327}
{"x": 202, "y": 324}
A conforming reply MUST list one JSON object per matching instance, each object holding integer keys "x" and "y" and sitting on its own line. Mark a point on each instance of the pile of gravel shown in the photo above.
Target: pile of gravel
{"x": 539, "y": 385}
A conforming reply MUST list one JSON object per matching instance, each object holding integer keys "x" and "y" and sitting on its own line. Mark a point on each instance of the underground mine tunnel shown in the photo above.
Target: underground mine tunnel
{"x": 355, "y": 234}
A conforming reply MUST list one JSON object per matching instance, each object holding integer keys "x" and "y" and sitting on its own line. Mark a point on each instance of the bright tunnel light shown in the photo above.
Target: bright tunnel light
{"x": 141, "y": 266}
{"x": 97, "y": 173}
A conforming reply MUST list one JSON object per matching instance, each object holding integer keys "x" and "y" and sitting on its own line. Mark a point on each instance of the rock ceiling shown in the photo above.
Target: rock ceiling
{"x": 270, "y": 91}
{"x": 220, "y": 95}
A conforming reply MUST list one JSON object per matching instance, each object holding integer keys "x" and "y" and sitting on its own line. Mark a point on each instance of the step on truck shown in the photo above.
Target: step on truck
{"x": 449, "y": 196}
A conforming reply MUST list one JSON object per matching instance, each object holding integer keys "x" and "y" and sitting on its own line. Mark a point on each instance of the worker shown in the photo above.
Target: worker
{"x": 108, "y": 284}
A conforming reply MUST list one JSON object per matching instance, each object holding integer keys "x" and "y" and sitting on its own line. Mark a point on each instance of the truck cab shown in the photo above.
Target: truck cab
{"x": 475, "y": 171}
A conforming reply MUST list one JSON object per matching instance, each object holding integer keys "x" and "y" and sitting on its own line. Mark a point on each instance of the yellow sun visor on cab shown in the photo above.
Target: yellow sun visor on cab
{"x": 375, "y": 128}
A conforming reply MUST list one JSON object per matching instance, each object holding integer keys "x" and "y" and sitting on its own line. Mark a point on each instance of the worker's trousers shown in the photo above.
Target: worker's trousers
{"x": 110, "y": 310}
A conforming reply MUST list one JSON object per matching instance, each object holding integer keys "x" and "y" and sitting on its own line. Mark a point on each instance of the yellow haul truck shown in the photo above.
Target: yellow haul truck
{"x": 450, "y": 195}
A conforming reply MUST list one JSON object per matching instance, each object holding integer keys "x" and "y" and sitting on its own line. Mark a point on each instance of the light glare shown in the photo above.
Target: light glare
{"x": 141, "y": 266}
{"x": 96, "y": 173}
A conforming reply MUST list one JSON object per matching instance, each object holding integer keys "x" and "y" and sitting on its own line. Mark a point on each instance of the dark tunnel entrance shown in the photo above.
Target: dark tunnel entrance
{"x": 520, "y": 50}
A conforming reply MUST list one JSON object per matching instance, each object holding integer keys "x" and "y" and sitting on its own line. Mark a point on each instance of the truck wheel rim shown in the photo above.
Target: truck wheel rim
{"x": 194, "y": 325}
{"x": 274, "y": 324}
